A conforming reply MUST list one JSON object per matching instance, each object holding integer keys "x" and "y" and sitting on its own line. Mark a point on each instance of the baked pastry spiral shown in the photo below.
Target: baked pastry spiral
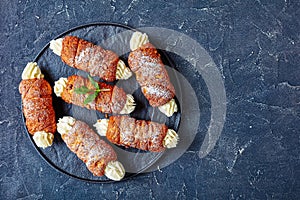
{"x": 99, "y": 156}
{"x": 141, "y": 134}
{"x": 86, "y": 56}
{"x": 145, "y": 61}
{"x": 111, "y": 99}
{"x": 37, "y": 106}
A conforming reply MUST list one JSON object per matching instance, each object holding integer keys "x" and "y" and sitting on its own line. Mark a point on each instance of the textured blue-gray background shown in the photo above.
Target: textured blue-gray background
{"x": 255, "y": 45}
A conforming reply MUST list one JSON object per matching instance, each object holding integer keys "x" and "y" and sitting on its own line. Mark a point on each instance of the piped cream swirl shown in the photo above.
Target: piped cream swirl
{"x": 56, "y": 46}
{"x": 114, "y": 170}
{"x": 129, "y": 105}
{"x": 123, "y": 72}
{"x": 137, "y": 40}
{"x": 43, "y": 139}
{"x": 31, "y": 71}
{"x": 169, "y": 108}
{"x": 101, "y": 126}
{"x": 171, "y": 139}
{"x": 65, "y": 124}
{"x": 60, "y": 85}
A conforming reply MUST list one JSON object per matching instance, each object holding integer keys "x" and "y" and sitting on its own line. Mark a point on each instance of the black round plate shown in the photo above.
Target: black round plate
{"x": 116, "y": 38}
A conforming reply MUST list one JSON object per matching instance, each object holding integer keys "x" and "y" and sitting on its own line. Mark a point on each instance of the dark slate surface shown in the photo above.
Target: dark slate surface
{"x": 255, "y": 45}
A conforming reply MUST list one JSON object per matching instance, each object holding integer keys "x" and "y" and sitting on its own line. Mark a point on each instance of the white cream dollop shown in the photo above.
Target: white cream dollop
{"x": 122, "y": 72}
{"x": 114, "y": 170}
{"x": 137, "y": 40}
{"x": 171, "y": 139}
{"x": 65, "y": 124}
{"x": 59, "y": 85}
{"x": 129, "y": 105}
{"x": 56, "y": 46}
{"x": 31, "y": 71}
{"x": 101, "y": 126}
{"x": 169, "y": 108}
{"x": 43, "y": 139}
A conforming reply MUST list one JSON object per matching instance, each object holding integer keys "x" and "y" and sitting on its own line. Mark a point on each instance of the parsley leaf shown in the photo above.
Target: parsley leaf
{"x": 82, "y": 90}
{"x": 90, "y": 98}
{"x": 92, "y": 93}
{"x": 94, "y": 83}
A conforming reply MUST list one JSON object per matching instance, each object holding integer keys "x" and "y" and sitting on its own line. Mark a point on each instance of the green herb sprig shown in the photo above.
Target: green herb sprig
{"x": 93, "y": 93}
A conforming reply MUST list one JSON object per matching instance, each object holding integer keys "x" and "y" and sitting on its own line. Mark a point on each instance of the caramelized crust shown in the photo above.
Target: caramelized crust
{"x": 88, "y": 146}
{"x": 151, "y": 74}
{"x": 83, "y": 54}
{"x": 112, "y": 101}
{"x": 140, "y": 134}
{"x": 37, "y": 105}
{"x": 88, "y": 57}
{"x": 113, "y": 131}
{"x": 69, "y": 50}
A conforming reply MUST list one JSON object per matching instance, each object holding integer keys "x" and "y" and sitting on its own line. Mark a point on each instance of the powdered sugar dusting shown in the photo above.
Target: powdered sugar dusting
{"x": 88, "y": 146}
{"x": 141, "y": 134}
{"x": 83, "y": 56}
{"x": 154, "y": 90}
{"x": 151, "y": 75}
{"x": 96, "y": 60}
